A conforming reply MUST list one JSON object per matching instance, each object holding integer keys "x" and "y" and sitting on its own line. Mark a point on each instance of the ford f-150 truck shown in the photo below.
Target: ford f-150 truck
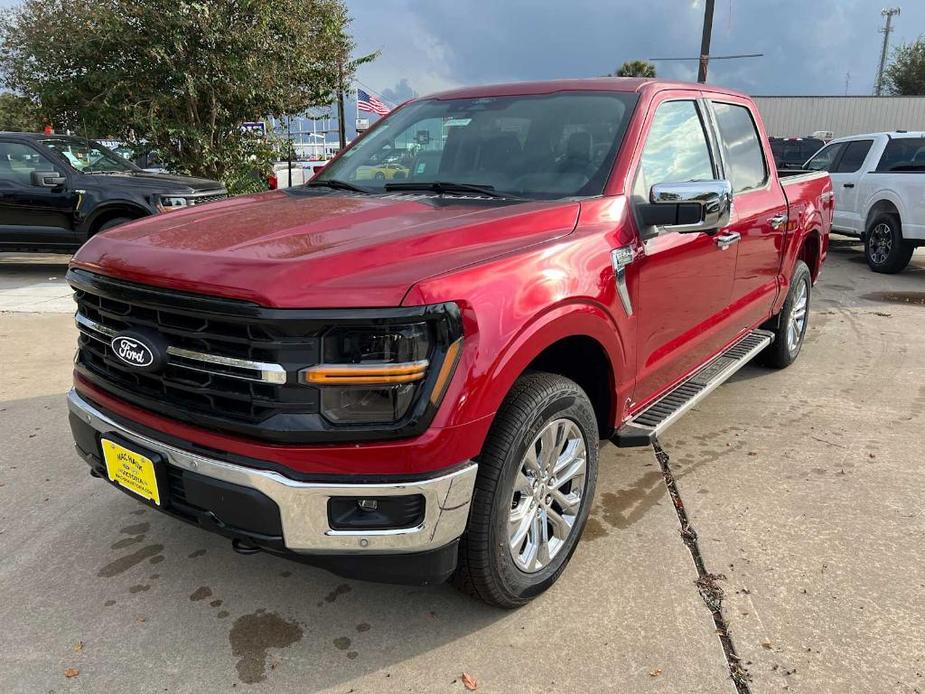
{"x": 409, "y": 380}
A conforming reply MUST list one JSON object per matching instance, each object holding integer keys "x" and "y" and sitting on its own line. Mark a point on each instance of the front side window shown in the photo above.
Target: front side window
{"x": 88, "y": 157}
{"x": 903, "y": 155}
{"x": 741, "y": 147}
{"x": 825, "y": 157}
{"x": 854, "y": 156}
{"x": 18, "y": 161}
{"x": 540, "y": 146}
{"x": 676, "y": 149}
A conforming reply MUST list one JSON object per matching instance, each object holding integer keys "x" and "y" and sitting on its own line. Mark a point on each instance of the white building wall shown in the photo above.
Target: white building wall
{"x": 799, "y": 116}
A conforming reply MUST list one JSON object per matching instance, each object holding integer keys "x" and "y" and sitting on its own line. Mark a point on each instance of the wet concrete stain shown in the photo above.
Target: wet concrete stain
{"x": 201, "y": 593}
{"x": 197, "y": 553}
{"x": 137, "y": 529}
{"x": 139, "y": 588}
{"x": 594, "y": 529}
{"x": 109, "y": 603}
{"x": 352, "y": 654}
{"x": 252, "y": 635}
{"x": 138, "y": 512}
{"x": 122, "y": 564}
{"x": 342, "y": 643}
{"x": 916, "y": 298}
{"x": 127, "y": 542}
{"x": 363, "y": 627}
{"x": 158, "y": 559}
{"x": 342, "y": 589}
{"x": 285, "y": 574}
{"x": 222, "y": 614}
{"x": 215, "y": 603}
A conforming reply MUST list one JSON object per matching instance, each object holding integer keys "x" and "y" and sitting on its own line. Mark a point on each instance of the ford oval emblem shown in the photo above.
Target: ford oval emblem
{"x": 133, "y": 351}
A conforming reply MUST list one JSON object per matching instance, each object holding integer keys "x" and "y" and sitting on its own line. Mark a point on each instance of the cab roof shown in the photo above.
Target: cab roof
{"x": 609, "y": 84}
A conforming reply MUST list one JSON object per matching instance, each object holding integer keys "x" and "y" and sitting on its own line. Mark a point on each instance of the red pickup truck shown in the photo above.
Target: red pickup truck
{"x": 408, "y": 379}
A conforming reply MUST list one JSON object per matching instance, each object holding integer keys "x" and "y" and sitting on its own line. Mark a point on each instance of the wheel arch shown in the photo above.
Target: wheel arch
{"x": 887, "y": 205}
{"x": 104, "y": 213}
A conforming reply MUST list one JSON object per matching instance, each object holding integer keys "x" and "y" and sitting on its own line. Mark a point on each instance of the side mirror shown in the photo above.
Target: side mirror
{"x": 48, "y": 179}
{"x": 689, "y": 207}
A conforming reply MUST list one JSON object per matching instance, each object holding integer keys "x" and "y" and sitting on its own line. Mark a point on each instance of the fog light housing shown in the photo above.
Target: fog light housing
{"x": 375, "y": 513}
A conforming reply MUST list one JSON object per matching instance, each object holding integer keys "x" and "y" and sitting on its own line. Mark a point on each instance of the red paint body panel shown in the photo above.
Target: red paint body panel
{"x": 524, "y": 276}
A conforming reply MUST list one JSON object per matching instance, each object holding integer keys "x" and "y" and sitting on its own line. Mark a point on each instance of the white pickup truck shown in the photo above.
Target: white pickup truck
{"x": 879, "y": 184}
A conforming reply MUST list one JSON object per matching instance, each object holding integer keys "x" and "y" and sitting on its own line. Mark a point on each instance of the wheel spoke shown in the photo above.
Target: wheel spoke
{"x": 531, "y": 461}
{"x": 569, "y": 503}
{"x": 561, "y": 525}
{"x": 543, "y": 555}
{"x": 520, "y": 527}
{"x": 571, "y": 472}
{"x": 548, "y": 451}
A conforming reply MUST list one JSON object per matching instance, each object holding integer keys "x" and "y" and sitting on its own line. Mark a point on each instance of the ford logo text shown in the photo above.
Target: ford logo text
{"x": 132, "y": 351}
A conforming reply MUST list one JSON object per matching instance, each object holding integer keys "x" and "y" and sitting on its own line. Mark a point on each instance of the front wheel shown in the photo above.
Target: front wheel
{"x": 533, "y": 492}
{"x": 884, "y": 247}
{"x": 792, "y": 321}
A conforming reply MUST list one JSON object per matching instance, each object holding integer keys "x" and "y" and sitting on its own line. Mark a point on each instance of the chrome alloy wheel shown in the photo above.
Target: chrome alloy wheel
{"x": 881, "y": 243}
{"x": 797, "y": 321}
{"x": 548, "y": 493}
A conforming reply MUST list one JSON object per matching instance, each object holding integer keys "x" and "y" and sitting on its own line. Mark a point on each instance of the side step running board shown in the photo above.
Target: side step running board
{"x": 643, "y": 428}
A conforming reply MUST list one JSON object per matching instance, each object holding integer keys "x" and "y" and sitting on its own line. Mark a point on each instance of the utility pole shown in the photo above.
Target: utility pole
{"x": 847, "y": 82}
{"x": 888, "y": 13}
{"x": 705, "y": 41}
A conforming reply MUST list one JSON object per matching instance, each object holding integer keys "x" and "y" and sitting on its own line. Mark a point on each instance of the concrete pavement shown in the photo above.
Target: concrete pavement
{"x": 804, "y": 486}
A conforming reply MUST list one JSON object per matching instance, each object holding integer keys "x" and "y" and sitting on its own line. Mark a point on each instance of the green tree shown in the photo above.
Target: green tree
{"x": 905, "y": 75}
{"x": 19, "y": 114}
{"x": 636, "y": 68}
{"x": 182, "y": 76}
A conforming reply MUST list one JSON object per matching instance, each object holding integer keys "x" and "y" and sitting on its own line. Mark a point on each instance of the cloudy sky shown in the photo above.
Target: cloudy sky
{"x": 808, "y": 45}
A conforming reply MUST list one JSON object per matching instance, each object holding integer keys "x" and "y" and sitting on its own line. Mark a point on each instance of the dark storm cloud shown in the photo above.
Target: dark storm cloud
{"x": 809, "y": 46}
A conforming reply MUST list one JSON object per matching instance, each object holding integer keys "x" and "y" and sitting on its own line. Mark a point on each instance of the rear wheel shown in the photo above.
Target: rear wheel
{"x": 884, "y": 247}
{"x": 792, "y": 321}
{"x": 533, "y": 493}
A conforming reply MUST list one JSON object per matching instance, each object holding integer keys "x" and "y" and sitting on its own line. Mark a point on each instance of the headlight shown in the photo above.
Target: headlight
{"x": 375, "y": 374}
{"x": 168, "y": 203}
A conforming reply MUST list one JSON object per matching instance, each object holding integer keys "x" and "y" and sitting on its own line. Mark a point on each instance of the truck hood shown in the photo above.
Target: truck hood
{"x": 304, "y": 249}
{"x": 154, "y": 182}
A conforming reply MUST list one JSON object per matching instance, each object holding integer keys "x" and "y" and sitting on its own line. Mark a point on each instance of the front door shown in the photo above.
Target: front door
{"x": 685, "y": 279}
{"x": 30, "y": 211}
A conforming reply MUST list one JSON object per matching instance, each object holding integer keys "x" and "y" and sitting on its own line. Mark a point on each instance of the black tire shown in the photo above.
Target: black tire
{"x": 884, "y": 247}
{"x": 782, "y": 352}
{"x": 487, "y": 569}
{"x": 114, "y": 222}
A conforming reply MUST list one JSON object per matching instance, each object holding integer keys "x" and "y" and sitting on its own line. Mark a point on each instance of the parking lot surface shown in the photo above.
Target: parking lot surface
{"x": 804, "y": 485}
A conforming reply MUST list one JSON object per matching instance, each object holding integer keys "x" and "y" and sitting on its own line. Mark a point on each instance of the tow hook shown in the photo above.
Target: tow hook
{"x": 242, "y": 547}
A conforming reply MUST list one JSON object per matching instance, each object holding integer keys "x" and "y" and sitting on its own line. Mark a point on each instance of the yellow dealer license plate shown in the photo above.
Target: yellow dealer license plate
{"x": 131, "y": 470}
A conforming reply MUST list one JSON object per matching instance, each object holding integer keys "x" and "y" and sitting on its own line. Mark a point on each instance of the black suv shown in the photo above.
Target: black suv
{"x": 56, "y": 191}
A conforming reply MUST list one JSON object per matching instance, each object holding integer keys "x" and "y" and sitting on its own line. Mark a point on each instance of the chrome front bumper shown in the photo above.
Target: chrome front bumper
{"x": 304, "y": 505}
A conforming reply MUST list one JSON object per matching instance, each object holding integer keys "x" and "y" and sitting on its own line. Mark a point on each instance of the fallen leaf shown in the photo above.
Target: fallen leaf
{"x": 78, "y": 647}
{"x": 656, "y": 672}
{"x": 71, "y": 672}
{"x": 469, "y": 682}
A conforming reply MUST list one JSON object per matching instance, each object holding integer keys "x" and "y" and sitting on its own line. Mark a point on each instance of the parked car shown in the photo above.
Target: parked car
{"x": 56, "y": 191}
{"x": 878, "y": 181}
{"x": 408, "y": 381}
{"x": 792, "y": 152}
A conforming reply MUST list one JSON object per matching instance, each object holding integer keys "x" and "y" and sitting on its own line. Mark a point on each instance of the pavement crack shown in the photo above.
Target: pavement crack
{"x": 707, "y": 583}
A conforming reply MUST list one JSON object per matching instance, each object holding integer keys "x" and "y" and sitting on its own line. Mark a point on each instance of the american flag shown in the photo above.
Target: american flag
{"x": 368, "y": 102}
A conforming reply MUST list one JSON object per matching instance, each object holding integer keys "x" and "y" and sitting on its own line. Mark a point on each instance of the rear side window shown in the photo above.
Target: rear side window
{"x": 676, "y": 148}
{"x": 903, "y": 155}
{"x": 854, "y": 156}
{"x": 741, "y": 146}
{"x": 825, "y": 157}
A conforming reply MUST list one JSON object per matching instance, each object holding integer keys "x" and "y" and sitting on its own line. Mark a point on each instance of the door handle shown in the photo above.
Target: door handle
{"x": 847, "y": 185}
{"x": 778, "y": 220}
{"x": 723, "y": 241}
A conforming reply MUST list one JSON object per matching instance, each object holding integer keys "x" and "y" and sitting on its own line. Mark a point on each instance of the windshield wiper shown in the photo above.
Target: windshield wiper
{"x": 449, "y": 187}
{"x": 337, "y": 185}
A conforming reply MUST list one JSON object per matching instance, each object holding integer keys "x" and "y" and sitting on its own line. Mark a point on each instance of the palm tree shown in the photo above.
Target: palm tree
{"x": 636, "y": 68}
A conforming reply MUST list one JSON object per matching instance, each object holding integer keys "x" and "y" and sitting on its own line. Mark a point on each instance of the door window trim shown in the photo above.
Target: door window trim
{"x": 766, "y": 183}
{"x": 841, "y": 155}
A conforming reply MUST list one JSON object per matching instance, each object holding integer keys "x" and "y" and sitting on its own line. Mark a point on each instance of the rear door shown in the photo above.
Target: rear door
{"x": 759, "y": 210}
{"x": 31, "y": 213}
{"x": 685, "y": 279}
{"x": 847, "y": 171}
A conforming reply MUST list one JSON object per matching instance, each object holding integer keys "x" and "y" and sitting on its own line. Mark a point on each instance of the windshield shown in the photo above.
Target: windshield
{"x": 545, "y": 146}
{"x": 87, "y": 156}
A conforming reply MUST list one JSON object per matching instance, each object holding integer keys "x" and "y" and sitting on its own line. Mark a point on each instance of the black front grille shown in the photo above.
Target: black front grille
{"x": 242, "y": 400}
{"x": 209, "y": 197}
